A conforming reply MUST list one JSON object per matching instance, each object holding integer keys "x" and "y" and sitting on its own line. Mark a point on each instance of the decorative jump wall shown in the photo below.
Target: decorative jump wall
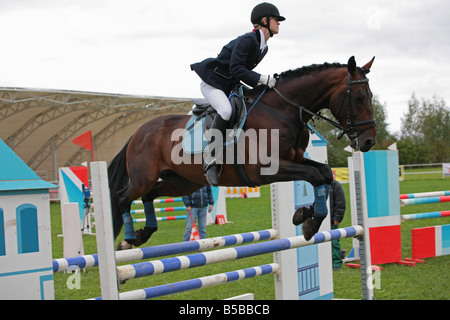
{"x": 380, "y": 171}
{"x": 430, "y": 242}
{"x": 25, "y": 231}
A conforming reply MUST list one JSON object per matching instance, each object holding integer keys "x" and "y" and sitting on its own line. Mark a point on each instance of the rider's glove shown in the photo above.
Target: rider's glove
{"x": 267, "y": 80}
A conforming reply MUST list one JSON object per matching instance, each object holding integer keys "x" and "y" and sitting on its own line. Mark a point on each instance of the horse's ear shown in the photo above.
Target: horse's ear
{"x": 352, "y": 66}
{"x": 367, "y": 66}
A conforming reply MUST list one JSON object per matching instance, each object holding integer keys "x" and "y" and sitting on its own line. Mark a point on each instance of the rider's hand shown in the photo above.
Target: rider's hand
{"x": 267, "y": 80}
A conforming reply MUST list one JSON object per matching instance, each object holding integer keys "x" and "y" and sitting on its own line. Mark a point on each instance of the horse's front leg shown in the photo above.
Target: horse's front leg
{"x": 320, "y": 176}
{"x": 324, "y": 169}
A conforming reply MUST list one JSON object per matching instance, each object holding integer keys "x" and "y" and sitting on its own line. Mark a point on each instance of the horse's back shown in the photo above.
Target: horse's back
{"x": 160, "y": 127}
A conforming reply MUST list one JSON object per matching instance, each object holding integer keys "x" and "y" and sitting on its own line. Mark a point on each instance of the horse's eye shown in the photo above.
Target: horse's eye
{"x": 359, "y": 99}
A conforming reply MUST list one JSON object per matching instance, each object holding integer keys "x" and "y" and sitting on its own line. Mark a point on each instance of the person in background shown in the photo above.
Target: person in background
{"x": 337, "y": 211}
{"x": 197, "y": 205}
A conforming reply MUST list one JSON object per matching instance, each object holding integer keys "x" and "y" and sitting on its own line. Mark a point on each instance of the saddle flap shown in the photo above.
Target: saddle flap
{"x": 203, "y": 117}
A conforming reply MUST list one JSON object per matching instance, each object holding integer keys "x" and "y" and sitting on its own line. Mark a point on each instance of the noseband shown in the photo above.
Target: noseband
{"x": 351, "y": 124}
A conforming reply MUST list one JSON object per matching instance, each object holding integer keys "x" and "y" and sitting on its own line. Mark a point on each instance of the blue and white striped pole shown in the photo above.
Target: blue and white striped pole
{"x": 200, "y": 259}
{"x": 203, "y": 282}
{"x": 87, "y": 261}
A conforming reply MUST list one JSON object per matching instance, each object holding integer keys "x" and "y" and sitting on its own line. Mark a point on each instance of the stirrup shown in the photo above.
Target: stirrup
{"x": 207, "y": 166}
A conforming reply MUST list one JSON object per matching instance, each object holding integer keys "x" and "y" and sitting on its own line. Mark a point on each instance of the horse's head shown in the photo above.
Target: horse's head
{"x": 352, "y": 107}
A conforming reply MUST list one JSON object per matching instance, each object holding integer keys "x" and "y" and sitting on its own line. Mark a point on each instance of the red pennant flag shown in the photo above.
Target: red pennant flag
{"x": 85, "y": 141}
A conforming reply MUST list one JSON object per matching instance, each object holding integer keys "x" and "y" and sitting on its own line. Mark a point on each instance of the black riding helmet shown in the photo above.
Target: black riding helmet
{"x": 267, "y": 10}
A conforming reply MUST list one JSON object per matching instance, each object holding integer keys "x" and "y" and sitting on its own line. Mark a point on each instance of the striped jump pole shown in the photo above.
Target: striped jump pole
{"x": 143, "y": 269}
{"x": 425, "y": 215}
{"x": 198, "y": 283}
{"x": 414, "y": 201}
{"x": 157, "y": 210}
{"x": 160, "y": 201}
{"x": 162, "y": 218}
{"x": 424, "y": 194}
{"x": 87, "y": 261}
{"x": 170, "y": 209}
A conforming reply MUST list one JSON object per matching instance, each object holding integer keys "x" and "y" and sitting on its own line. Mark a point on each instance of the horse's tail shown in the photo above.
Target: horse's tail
{"x": 118, "y": 179}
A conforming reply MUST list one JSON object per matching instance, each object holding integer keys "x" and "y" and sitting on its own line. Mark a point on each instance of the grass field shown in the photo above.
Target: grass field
{"x": 428, "y": 281}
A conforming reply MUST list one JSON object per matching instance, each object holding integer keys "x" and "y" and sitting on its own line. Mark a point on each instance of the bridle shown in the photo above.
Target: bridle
{"x": 351, "y": 124}
{"x": 351, "y": 131}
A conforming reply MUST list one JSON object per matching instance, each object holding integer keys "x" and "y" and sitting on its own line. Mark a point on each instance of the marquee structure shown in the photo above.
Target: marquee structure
{"x": 39, "y": 124}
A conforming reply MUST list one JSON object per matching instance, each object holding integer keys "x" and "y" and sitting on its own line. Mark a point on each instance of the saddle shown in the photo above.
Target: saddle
{"x": 203, "y": 114}
{"x": 195, "y": 141}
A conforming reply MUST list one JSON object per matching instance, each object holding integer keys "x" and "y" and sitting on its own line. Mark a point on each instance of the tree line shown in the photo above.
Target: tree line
{"x": 424, "y": 136}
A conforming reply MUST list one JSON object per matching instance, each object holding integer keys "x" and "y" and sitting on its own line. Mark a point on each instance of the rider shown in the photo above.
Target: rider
{"x": 234, "y": 64}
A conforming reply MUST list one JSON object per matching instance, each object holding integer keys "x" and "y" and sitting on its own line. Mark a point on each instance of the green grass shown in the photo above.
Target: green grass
{"x": 425, "y": 281}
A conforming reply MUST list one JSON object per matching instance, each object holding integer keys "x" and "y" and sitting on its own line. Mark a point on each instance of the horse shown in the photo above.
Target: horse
{"x": 145, "y": 167}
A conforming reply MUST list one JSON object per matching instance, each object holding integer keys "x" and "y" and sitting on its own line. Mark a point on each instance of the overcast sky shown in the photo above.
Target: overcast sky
{"x": 145, "y": 47}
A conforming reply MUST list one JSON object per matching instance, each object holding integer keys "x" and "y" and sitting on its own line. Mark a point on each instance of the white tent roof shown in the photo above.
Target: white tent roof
{"x": 39, "y": 124}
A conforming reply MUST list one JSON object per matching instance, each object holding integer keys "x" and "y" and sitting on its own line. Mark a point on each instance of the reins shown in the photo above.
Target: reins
{"x": 350, "y": 130}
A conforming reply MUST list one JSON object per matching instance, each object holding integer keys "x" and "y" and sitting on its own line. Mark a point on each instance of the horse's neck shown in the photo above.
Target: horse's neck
{"x": 314, "y": 92}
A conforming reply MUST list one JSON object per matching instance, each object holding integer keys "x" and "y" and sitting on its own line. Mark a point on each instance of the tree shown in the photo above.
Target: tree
{"x": 384, "y": 138}
{"x": 425, "y": 134}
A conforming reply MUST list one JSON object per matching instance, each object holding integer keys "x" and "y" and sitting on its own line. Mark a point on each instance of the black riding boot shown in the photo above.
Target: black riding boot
{"x": 210, "y": 165}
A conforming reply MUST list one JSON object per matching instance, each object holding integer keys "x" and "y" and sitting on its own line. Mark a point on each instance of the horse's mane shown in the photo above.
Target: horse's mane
{"x": 303, "y": 71}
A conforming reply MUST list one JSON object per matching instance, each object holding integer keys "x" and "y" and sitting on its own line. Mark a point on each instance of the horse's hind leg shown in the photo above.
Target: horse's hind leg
{"x": 151, "y": 224}
{"x": 135, "y": 189}
{"x": 131, "y": 237}
{"x": 174, "y": 185}
{"x": 140, "y": 236}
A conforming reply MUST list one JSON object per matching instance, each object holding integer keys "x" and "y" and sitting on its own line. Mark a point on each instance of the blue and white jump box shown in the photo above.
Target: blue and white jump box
{"x": 26, "y": 271}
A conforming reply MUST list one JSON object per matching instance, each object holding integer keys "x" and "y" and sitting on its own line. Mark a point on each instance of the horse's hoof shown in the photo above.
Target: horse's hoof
{"x": 142, "y": 235}
{"x": 124, "y": 245}
{"x": 301, "y": 214}
{"x": 311, "y": 226}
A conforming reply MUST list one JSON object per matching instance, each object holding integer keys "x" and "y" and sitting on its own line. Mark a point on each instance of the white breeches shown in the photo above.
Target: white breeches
{"x": 218, "y": 100}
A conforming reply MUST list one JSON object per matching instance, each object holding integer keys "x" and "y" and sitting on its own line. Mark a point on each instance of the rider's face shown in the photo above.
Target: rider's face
{"x": 274, "y": 25}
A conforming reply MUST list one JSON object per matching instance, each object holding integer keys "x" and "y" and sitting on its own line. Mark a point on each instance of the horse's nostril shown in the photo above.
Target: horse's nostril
{"x": 368, "y": 143}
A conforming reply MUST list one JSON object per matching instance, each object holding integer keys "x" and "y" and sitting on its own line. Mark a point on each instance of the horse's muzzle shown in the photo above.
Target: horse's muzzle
{"x": 362, "y": 143}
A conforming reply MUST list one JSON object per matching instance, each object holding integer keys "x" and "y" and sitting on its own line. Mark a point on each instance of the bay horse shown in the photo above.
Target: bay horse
{"x": 145, "y": 168}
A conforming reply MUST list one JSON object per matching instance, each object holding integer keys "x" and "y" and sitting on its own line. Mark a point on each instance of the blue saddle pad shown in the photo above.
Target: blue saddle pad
{"x": 194, "y": 140}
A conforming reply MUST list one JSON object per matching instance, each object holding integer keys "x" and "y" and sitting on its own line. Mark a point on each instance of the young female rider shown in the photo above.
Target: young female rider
{"x": 234, "y": 64}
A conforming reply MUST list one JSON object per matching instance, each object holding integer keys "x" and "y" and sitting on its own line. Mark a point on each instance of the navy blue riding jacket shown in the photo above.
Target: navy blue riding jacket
{"x": 234, "y": 63}
{"x": 200, "y": 198}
